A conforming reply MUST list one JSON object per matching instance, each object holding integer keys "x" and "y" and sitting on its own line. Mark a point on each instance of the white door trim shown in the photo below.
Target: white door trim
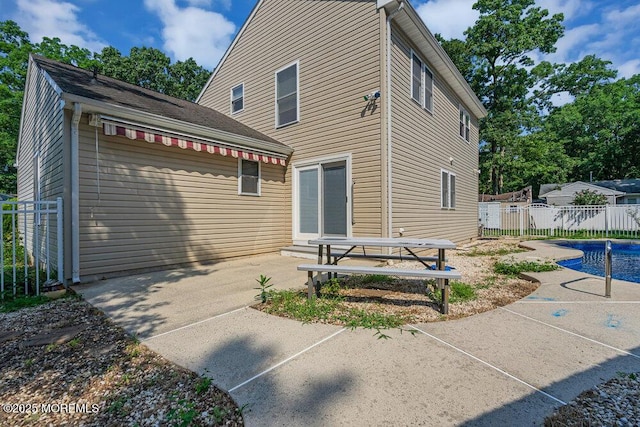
{"x": 297, "y": 238}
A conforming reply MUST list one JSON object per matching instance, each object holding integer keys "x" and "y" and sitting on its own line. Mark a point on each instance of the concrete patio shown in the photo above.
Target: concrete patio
{"x": 515, "y": 364}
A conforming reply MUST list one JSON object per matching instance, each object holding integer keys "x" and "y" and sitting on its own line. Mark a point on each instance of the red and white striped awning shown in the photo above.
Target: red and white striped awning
{"x": 171, "y": 141}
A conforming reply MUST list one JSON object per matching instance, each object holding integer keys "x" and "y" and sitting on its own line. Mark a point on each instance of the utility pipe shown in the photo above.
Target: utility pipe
{"x": 75, "y": 194}
{"x": 389, "y": 144}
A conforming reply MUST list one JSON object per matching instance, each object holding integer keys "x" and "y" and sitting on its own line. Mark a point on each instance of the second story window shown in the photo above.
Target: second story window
{"x": 237, "y": 98}
{"x": 465, "y": 124}
{"x": 287, "y": 95}
{"x": 421, "y": 83}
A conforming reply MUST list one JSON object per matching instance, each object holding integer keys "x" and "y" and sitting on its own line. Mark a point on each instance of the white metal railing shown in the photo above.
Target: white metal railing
{"x": 622, "y": 221}
{"x": 31, "y": 248}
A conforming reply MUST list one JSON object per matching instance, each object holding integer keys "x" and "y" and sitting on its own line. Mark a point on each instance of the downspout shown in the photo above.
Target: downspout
{"x": 75, "y": 194}
{"x": 389, "y": 144}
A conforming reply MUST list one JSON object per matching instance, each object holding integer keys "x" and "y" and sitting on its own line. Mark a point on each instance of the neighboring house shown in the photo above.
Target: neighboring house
{"x": 147, "y": 180}
{"x": 383, "y": 126}
{"x": 630, "y": 188}
{"x": 563, "y": 194}
{"x": 150, "y": 181}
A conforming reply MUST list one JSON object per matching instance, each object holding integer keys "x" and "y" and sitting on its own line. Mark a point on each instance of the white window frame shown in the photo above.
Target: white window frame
{"x": 464, "y": 125}
{"x": 241, "y": 85}
{"x": 450, "y": 198}
{"x": 424, "y": 92}
{"x": 240, "y": 174}
{"x": 297, "y": 119}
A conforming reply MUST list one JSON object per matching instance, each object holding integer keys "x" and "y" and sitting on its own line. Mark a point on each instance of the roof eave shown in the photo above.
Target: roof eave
{"x": 410, "y": 22}
{"x": 99, "y": 107}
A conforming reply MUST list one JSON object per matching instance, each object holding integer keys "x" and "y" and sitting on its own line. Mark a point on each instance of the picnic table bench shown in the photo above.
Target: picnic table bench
{"x": 314, "y": 287}
{"x": 332, "y": 268}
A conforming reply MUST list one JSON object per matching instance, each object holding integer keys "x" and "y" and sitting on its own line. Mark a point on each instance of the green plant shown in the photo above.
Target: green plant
{"x": 50, "y": 347}
{"x": 28, "y": 363}
{"x": 513, "y": 269}
{"x": 117, "y": 406}
{"x": 493, "y": 252}
{"x": 330, "y": 288}
{"x": 218, "y": 414}
{"x": 74, "y": 343}
{"x": 183, "y": 415}
{"x": 203, "y": 384}
{"x": 588, "y": 197}
{"x": 373, "y": 278}
{"x": 264, "y": 294}
{"x": 9, "y": 303}
{"x": 458, "y": 292}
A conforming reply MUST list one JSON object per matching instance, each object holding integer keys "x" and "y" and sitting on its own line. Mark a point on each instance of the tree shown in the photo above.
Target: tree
{"x": 588, "y": 197}
{"x": 145, "y": 67}
{"x": 600, "y": 130}
{"x": 495, "y": 59}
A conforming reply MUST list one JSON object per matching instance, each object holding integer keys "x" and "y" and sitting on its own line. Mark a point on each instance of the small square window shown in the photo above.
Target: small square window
{"x": 237, "y": 98}
{"x": 249, "y": 177}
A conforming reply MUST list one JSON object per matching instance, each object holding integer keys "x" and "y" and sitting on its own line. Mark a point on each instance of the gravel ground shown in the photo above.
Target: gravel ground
{"x": 65, "y": 363}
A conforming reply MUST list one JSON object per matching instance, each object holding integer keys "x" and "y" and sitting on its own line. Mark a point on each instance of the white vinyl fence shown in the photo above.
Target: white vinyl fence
{"x": 31, "y": 244}
{"x": 622, "y": 221}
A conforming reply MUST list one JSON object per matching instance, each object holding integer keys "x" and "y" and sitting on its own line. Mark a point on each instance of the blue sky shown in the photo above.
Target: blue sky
{"x": 203, "y": 29}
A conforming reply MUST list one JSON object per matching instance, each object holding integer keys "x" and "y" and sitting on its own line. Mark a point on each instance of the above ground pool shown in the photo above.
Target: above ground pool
{"x": 625, "y": 259}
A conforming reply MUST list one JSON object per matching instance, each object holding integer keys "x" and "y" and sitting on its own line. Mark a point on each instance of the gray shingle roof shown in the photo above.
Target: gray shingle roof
{"x": 625, "y": 185}
{"x": 77, "y": 81}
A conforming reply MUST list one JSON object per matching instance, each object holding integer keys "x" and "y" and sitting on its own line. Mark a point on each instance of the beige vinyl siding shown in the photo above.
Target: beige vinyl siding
{"x": 147, "y": 206}
{"x": 423, "y": 143}
{"x": 41, "y": 129}
{"x": 337, "y": 44}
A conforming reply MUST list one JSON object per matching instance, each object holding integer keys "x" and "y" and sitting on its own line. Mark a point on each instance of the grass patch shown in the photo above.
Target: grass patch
{"x": 475, "y": 252}
{"x": 9, "y": 303}
{"x": 513, "y": 269}
{"x": 330, "y": 307}
{"x": 458, "y": 292}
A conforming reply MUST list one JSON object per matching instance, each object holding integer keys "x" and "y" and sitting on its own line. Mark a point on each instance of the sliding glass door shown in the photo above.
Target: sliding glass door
{"x": 322, "y": 202}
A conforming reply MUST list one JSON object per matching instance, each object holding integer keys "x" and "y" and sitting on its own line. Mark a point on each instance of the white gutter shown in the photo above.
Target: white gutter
{"x": 75, "y": 194}
{"x": 389, "y": 144}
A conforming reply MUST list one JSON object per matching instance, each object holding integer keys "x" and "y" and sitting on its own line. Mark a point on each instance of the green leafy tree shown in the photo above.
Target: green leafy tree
{"x": 588, "y": 197}
{"x": 600, "y": 131}
{"x": 145, "y": 67}
{"x": 496, "y": 60}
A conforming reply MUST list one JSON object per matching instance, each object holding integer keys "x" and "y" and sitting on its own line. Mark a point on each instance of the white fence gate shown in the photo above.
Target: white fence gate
{"x": 622, "y": 221}
{"x": 31, "y": 246}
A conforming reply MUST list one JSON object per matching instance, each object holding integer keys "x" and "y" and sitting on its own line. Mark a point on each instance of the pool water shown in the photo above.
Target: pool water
{"x": 625, "y": 259}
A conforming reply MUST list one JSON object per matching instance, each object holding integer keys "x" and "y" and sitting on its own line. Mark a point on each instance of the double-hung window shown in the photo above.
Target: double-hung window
{"x": 237, "y": 98}
{"x": 248, "y": 177}
{"x": 421, "y": 83}
{"x": 465, "y": 124}
{"x": 287, "y": 95}
{"x": 448, "y": 189}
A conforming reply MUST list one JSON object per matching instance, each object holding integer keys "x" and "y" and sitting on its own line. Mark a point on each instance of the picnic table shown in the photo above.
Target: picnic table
{"x": 331, "y": 266}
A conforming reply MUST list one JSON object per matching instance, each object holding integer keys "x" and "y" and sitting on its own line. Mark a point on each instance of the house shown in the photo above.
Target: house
{"x": 630, "y": 188}
{"x": 564, "y": 194}
{"x": 147, "y": 180}
{"x": 383, "y": 126}
{"x": 322, "y": 118}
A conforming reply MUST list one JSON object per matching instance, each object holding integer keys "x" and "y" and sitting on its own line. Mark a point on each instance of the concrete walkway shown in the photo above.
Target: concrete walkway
{"x": 510, "y": 366}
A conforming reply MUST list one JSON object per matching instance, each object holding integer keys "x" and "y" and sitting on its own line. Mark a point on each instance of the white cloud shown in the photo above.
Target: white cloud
{"x": 52, "y": 18}
{"x": 569, "y": 8}
{"x": 450, "y": 18}
{"x": 193, "y": 32}
{"x": 629, "y": 68}
{"x": 574, "y": 40}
